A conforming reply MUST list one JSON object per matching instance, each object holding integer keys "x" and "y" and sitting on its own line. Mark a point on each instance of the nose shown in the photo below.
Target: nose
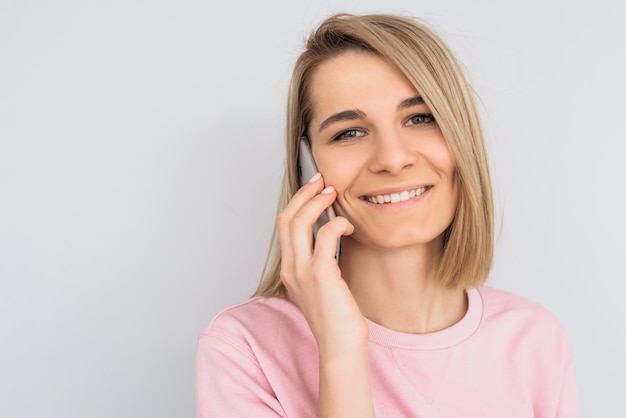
{"x": 391, "y": 154}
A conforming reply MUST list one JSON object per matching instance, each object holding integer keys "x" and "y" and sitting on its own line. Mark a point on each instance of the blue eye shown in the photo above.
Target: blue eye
{"x": 421, "y": 119}
{"x": 349, "y": 134}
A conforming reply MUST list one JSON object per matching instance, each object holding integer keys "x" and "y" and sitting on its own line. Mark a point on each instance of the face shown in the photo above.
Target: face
{"x": 377, "y": 143}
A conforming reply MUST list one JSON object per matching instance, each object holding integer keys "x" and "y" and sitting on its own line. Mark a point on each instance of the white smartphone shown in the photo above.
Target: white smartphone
{"x": 307, "y": 169}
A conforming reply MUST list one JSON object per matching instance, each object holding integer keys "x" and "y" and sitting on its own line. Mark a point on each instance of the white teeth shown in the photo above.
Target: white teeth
{"x": 396, "y": 197}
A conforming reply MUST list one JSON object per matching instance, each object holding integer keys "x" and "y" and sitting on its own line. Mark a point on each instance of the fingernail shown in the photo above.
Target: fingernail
{"x": 315, "y": 177}
{"x": 328, "y": 189}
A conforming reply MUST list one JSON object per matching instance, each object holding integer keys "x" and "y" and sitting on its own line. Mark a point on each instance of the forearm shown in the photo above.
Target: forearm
{"x": 345, "y": 389}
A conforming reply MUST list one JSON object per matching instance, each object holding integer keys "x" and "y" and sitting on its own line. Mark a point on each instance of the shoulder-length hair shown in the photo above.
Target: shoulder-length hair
{"x": 437, "y": 75}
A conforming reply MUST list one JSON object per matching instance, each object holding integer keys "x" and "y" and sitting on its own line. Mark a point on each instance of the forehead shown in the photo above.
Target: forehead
{"x": 357, "y": 79}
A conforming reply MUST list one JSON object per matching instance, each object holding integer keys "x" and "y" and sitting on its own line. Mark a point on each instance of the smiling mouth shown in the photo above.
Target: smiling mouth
{"x": 382, "y": 199}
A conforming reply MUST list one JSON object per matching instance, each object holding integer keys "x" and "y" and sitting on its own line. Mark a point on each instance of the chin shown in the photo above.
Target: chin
{"x": 399, "y": 240}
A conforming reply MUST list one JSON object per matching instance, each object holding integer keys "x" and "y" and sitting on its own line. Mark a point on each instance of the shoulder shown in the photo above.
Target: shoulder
{"x": 258, "y": 323}
{"x": 499, "y": 303}
{"x": 523, "y": 321}
{"x": 239, "y": 364}
{"x": 255, "y": 312}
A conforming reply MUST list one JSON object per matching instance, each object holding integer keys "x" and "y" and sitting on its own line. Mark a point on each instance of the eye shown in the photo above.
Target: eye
{"x": 421, "y": 119}
{"x": 348, "y": 134}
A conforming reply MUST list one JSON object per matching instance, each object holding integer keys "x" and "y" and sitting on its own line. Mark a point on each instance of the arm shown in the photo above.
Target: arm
{"x": 314, "y": 283}
{"x": 345, "y": 386}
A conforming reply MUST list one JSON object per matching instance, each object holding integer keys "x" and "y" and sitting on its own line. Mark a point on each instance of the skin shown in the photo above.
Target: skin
{"x": 384, "y": 142}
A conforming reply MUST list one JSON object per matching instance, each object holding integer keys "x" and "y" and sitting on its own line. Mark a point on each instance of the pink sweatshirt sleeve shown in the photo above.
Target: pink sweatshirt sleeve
{"x": 230, "y": 382}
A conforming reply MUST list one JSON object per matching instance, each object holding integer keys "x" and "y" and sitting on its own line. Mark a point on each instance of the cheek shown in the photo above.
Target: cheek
{"x": 442, "y": 153}
{"x": 338, "y": 170}
{"x": 455, "y": 188}
{"x": 441, "y": 159}
{"x": 443, "y": 163}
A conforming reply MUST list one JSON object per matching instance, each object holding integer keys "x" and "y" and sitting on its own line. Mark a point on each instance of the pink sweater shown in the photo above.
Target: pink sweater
{"x": 507, "y": 358}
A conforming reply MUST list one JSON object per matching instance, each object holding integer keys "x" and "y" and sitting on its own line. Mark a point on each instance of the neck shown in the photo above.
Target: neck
{"x": 396, "y": 288}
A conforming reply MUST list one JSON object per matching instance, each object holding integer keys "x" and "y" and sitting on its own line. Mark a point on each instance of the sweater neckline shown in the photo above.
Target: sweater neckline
{"x": 445, "y": 338}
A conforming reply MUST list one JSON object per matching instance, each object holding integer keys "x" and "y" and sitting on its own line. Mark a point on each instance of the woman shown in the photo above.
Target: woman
{"x": 401, "y": 325}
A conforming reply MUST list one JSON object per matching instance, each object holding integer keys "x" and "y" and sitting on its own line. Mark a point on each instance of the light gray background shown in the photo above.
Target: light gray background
{"x": 140, "y": 157}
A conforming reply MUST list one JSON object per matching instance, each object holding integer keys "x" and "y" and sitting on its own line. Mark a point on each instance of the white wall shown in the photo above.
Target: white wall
{"x": 140, "y": 156}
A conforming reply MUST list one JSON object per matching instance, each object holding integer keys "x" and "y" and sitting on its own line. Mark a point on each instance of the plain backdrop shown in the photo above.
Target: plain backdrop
{"x": 141, "y": 155}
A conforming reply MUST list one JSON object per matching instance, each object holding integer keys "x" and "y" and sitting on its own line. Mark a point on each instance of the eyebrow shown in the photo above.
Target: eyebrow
{"x": 410, "y": 102}
{"x": 342, "y": 116}
{"x": 355, "y": 114}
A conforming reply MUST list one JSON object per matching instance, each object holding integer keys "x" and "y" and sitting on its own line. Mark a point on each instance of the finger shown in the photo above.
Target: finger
{"x": 304, "y": 194}
{"x": 285, "y": 217}
{"x": 301, "y": 225}
{"x": 328, "y": 237}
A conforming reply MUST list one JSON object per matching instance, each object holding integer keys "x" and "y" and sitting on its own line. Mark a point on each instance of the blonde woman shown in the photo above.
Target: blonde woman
{"x": 402, "y": 325}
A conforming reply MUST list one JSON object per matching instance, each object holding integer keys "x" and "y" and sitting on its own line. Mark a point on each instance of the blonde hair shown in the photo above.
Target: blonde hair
{"x": 436, "y": 74}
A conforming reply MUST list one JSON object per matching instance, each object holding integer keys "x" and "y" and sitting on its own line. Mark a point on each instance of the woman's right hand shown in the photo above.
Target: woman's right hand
{"x": 311, "y": 274}
{"x": 313, "y": 281}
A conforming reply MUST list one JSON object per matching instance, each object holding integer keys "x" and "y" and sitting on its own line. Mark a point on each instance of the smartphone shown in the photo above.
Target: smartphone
{"x": 307, "y": 169}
